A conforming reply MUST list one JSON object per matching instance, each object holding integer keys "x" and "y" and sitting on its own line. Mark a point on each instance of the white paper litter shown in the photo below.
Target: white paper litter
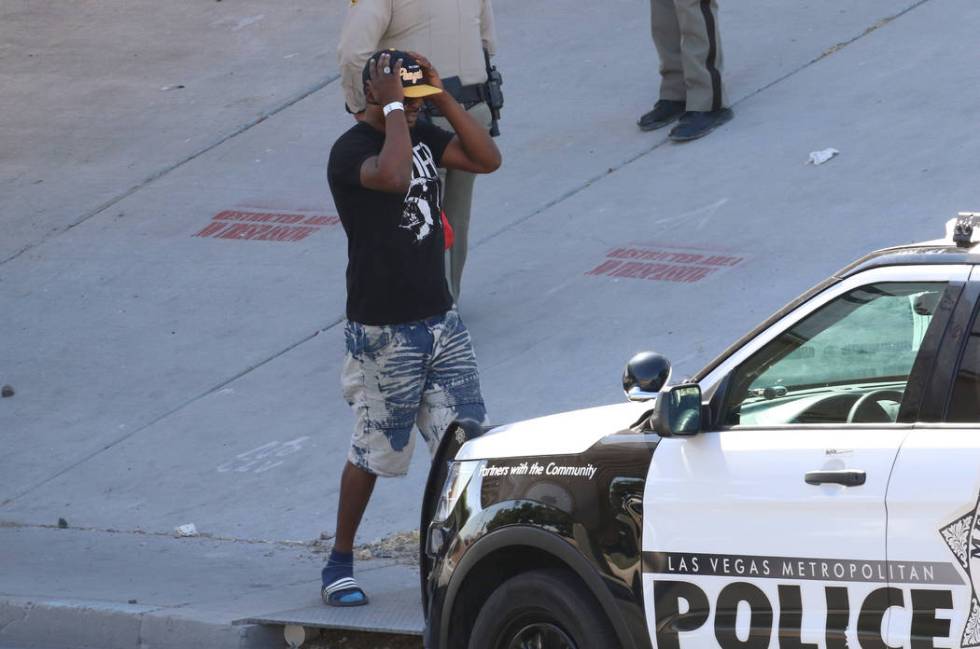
{"x": 820, "y": 157}
{"x": 186, "y": 530}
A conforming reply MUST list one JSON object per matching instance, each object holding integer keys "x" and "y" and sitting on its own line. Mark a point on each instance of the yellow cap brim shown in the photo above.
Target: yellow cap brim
{"x": 421, "y": 90}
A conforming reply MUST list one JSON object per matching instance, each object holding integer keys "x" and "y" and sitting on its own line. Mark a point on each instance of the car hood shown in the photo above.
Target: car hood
{"x": 566, "y": 433}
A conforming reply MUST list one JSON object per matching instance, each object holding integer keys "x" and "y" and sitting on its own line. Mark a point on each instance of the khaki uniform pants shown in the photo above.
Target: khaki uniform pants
{"x": 456, "y": 201}
{"x": 685, "y": 33}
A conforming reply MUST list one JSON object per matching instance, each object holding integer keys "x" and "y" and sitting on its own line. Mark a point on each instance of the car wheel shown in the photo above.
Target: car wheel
{"x": 542, "y": 609}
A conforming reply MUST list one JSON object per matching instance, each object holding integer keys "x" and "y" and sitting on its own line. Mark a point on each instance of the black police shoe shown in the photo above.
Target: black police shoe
{"x": 695, "y": 124}
{"x": 664, "y": 112}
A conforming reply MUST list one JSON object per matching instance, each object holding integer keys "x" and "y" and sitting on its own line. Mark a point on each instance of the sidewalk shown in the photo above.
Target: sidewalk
{"x": 120, "y": 590}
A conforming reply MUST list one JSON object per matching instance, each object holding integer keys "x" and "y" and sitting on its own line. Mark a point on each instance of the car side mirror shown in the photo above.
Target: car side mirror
{"x": 678, "y": 411}
{"x": 645, "y": 374}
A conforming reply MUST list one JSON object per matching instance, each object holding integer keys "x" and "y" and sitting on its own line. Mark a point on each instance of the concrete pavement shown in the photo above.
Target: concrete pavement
{"x": 169, "y": 371}
{"x": 173, "y": 592}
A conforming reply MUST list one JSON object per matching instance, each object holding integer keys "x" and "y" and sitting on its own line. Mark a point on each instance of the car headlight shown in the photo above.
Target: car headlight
{"x": 459, "y": 476}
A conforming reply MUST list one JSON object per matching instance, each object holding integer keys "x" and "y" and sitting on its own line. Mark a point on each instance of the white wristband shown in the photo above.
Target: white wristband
{"x": 395, "y": 105}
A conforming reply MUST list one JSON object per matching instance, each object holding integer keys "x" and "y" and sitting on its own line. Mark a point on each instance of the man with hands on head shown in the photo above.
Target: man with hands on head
{"x": 453, "y": 34}
{"x": 409, "y": 360}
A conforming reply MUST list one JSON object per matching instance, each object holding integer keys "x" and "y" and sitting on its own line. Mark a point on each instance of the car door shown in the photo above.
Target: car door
{"x": 769, "y": 529}
{"x": 934, "y": 502}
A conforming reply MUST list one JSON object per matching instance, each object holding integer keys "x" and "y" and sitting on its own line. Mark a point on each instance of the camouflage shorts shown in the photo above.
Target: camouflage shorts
{"x": 398, "y": 376}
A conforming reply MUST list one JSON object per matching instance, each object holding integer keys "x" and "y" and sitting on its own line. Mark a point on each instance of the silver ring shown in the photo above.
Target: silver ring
{"x": 387, "y": 70}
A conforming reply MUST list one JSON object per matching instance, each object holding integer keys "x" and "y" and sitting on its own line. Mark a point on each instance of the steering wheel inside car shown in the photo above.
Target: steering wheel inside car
{"x": 867, "y": 410}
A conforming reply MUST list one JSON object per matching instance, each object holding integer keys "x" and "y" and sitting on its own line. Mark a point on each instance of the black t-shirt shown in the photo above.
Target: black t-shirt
{"x": 395, "y": 242}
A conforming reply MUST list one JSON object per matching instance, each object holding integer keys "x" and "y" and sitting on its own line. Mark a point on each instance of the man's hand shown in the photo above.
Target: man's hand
{"x": 385, "y": 83}
{"x": 429, "y": 74}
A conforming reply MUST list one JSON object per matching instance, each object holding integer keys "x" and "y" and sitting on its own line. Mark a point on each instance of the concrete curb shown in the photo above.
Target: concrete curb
{"x": 81, "y": 624}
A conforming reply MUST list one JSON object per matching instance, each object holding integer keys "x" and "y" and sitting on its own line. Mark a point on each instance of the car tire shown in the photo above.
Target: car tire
{"x": 542, "y": 609}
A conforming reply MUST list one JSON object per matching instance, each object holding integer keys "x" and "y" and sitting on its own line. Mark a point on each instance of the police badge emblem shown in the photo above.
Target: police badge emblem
{"x": 963, "y": 538}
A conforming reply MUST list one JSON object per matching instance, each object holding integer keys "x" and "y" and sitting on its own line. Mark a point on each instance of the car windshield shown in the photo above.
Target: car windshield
{"x": 862, "y": 343}
{"x": 869, "y": 335}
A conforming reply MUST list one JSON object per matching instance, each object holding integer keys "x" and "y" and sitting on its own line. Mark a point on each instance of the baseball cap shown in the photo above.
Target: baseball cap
{"x": 413, "y": 79}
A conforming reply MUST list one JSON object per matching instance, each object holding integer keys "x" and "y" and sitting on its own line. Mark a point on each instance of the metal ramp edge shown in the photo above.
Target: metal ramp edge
{"x": 395, "y": 608}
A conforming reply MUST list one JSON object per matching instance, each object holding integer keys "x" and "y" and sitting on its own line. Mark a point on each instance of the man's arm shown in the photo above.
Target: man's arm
{"x": 364, "y": 27}
{"x": 391, "y": 170}
{"x": 472, "y": 149}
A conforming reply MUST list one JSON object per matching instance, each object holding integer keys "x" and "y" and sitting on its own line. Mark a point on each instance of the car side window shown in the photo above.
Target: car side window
{"x": 848, "y": 362}
{"x": 964, "y": 405}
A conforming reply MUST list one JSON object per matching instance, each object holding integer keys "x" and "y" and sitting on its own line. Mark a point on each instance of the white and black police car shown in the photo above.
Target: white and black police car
{"x": 814, "y": 487}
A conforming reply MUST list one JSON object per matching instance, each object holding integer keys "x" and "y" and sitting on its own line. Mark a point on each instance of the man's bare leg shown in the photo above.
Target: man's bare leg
{"x": 356, "y": 486}
{"x": 339, "y": 587}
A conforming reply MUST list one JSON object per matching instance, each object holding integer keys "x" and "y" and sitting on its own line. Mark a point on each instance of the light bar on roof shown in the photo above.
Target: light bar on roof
{"x": 966, "y": 224}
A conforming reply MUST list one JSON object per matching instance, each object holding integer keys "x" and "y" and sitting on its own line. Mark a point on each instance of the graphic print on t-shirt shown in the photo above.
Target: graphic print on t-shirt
{"x": 422, "y": 206}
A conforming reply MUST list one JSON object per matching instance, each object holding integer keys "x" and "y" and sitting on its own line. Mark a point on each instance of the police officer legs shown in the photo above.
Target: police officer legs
{"x": 685, "y": 33}
{"x": 457, "y": 198}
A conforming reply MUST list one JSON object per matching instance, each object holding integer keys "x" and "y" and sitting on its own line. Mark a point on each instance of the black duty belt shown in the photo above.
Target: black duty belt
{"x": 468, "y": 96}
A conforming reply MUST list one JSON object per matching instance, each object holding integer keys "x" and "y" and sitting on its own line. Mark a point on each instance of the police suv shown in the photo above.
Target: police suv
{"x": 814, "y": 487}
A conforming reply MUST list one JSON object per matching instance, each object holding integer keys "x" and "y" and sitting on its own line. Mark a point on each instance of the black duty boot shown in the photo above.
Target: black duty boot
{"x": 695, "y": 124}
{"x": 664, "y": 112}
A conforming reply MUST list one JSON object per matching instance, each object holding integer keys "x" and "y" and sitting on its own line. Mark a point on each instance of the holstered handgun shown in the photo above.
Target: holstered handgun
{"x": 494, "y": 95}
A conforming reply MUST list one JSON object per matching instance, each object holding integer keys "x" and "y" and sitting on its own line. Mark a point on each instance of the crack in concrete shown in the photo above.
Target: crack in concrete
{"x": 170, "y": 412}
{"x": 611, "y": 170}
{"x": 312, "y": 547}
{"x": 320, "y": 85}
{"x": 25, "y": 613}
{"x": 837, "y": 48}
{"x": 167, "y": 535}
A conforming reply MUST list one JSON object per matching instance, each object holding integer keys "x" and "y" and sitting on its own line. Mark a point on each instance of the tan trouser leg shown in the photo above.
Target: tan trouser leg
{"x": 667, "y": 39}
{"x": 701, "y": 53}
{"x": 456, "y": 201}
